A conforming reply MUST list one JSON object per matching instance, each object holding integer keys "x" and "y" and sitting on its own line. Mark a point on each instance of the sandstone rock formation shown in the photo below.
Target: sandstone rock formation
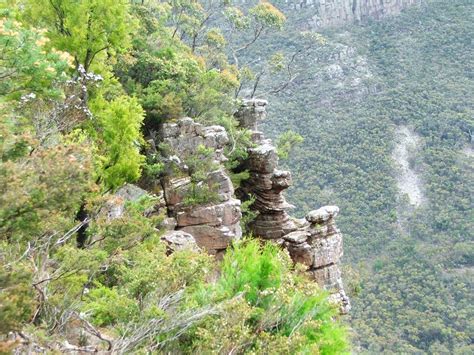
{"x": 266, "y": 182}
{"x": 214, "y": 226}
{"x": 315, "y": 242}
{"x": 185, "y": 136}
{"x": 318, "y": 245}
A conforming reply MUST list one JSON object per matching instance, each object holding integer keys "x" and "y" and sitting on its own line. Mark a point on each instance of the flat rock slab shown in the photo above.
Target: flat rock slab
{"x": 323, "y": 214}
{"x": 214, "y": 238}
{"x": 227, "y": 213}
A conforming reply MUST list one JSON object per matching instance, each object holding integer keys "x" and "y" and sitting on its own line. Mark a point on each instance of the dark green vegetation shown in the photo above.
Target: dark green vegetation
{"x": 415, "y": 264}
{"x": 82, "y": 84}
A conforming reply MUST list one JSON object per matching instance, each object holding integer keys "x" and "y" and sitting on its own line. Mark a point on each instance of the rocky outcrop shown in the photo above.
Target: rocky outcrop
{"x": 318, "y": 245}
{"x": 330, "y": 13}
{"x": 179, "y": 240}
{"x": 214, "y": 225}
{"x": 185, "y": 136}
{"x": 315, "y": 241}
{"x": 266, "y": 182}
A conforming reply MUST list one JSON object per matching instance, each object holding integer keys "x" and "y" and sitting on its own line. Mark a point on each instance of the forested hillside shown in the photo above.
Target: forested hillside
{"x": 386, "y": 108}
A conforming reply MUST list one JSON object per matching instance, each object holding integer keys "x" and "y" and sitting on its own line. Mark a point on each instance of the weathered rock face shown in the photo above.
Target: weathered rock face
{"x": 330, "y": 13}
{"x": 315, "y": 242}
{"x": 179, "y": 240}
{"x": 185, "y": 136}
{"x": 340, "y": 12}
{"x": 318, "y": 244}
{"x": 266, "y": 182}
{"x": 215, "y": 225}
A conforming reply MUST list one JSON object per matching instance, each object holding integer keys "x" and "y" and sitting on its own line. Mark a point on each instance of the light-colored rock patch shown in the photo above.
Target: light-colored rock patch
{"x": 408, "y": 178}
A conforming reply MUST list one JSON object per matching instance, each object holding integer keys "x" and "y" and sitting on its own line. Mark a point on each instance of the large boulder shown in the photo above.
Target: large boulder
{"x": 179, "y": 240}
{"x": 322, "y": 215}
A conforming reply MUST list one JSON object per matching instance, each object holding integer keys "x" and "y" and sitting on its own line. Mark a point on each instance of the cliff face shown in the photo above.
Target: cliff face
{"x": 329, "y": 13}
{"x": 340, "y": 12}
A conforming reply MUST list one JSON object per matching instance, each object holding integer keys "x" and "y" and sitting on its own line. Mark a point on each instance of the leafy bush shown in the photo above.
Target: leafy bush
{"x": 119, "y": 141}
{"x": 16, "y": 295}
{"x": 272, "y": 306}
{"x": 199, "y": 164}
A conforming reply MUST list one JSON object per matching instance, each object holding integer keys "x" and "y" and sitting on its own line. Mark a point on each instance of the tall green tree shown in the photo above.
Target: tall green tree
{"x": 119, "y": 122}
{"x": 91, "y": 30}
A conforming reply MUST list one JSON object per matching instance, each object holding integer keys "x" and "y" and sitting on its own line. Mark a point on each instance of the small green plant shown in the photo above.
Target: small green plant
{"x": 200, "y": 194}
{"x": 199, "y": 165}
{"x": 286, "y": 142}
{"x": 248, "y": 215}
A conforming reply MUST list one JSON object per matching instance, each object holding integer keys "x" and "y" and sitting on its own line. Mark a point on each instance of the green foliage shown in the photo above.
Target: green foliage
{"x": 107, "y": 306}
{"x": 273, "y": 307}
{"x": 237, "y": 18}
{"x": 248, "y": 215}
{"x": 33, "y": 188}
{"x": 265, "y": 14}
{"x": 90, "y": 30}
{"x": 247, "y": 268}
{"x": 199, "y": 164}
{"x": 131, "y": 227}
{"x": 28, "y": 65}
{"x": 16, "y": 296}
{"x": 119, "y": 122}
{"x": 200, "y": 194}
{"x": 172, "y": 82}
{"x": 261, "y": 16}
{"x": 286, "y": 142}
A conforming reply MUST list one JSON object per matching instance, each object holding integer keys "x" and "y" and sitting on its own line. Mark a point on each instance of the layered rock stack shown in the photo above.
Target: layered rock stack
{"x": 266, "y": 182}
{"x": 315, "y": 241}
{"x": 212, "y": 225}
{"x": 318, "y": 245}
